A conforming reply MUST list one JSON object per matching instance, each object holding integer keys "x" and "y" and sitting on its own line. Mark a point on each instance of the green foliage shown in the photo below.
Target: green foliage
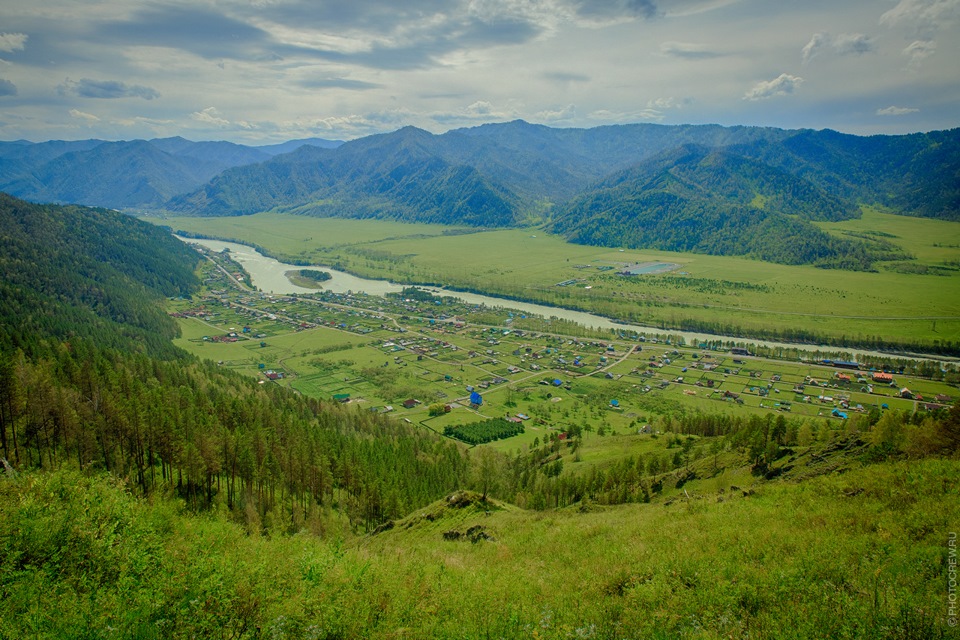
{"x": 92, "y": 273}
{"x": 502, "y": 175}
{"x": 853, "y": 555}
{"x": 316, "y": 276}
{"x": 705, "y": 201}
{"x": 484, "y": 431}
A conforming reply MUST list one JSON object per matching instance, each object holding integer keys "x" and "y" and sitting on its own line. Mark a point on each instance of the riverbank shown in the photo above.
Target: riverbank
{"x": 269, "y": 275}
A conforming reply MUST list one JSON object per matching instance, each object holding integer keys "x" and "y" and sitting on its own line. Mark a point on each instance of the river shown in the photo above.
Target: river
{"x": 269, "y": 276}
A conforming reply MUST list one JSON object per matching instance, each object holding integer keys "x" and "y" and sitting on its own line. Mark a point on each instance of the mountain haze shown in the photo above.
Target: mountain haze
{"x": 138, "y": 174}
{"x": 705, "y": 188}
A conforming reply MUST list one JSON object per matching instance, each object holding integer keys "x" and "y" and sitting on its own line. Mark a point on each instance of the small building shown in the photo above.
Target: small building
{"x": 410, "y": 404}
{"x": 882, "y": 376}
{"x": 906, "y": 393}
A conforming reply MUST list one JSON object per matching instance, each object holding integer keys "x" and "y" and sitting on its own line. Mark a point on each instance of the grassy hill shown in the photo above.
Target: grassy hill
{"x": 861, "y": 554}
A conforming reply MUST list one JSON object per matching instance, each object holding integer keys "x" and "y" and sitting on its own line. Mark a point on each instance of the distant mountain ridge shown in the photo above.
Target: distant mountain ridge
{"x": 709, "y": 188}
{"x": 133, "y": 174}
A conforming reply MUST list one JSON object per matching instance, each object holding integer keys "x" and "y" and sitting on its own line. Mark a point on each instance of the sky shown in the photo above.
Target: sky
{"x": 266, "y": 71}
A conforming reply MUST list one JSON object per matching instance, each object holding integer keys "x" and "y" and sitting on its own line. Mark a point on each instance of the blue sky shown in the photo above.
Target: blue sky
{"x": 265, "y": 71}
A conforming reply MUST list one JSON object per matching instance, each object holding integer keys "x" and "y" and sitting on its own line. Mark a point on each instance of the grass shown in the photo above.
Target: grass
{"x": 725, "y": 293}
{"x": 857, "y": 555}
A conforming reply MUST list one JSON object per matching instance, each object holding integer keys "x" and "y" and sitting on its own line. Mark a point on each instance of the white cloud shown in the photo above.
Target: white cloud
{"x": 87, "y": 117}
{"x": 567, "y": 113}
{"x": 922, "y": 14}
{"x": 663, "y": 104}
{"x": 480, "y": 108}
{"x": 10, "y": 42}
{"x": 920, "y": 50}
{"x": 812, "y": 48}
{"x": 687, "y": 50}
{"x": 210, "y": 115}
{"x": 607, "y": 115}
{"x": 852, "y": 43}
{"x": 844, "y": 44}
{"x": 780, "y": 86}
{"x": 895, "y": 111}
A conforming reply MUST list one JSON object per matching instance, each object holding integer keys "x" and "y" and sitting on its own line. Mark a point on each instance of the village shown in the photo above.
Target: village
{"x": 439, "y": 362}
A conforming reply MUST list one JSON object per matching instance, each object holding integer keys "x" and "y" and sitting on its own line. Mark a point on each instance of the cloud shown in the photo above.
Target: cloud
{"x": 896, "y": 111}
{"x": 10, "y": 42}
{"x": 852, "y": 44}
{"x": 844, "y": 44}
{"x": 662, "y": 104}
{"x": 338, "y": 83}
{"x": 479, "y": 111}
{"x": 608, "y": 115}
{"x": 204, "y": 33}
{"x": 567, "y": 113}
{"x": 920, "y": 50}
{"x": 106, "y": 89}
{"x": 606, "y": 10}
{"x": 780, "y": 86}
{"x": 687, "y": 50}
{"x": 7, "y": 88}
{"x": 80, "y": 115}
{"x": 211, "y": 116}
{"x": 565, "y": 77}
{"x": 925, "y": 16}
{"x": 817, "y": 42}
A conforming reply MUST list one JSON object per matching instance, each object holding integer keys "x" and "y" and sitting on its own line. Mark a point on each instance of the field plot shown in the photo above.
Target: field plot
{"x": 912, "y": 302}
{"x": 442, "y": 364}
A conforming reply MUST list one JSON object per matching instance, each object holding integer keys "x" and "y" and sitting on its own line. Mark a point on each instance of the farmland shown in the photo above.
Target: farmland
{"x": 615, "y": 390}
{"x": 913, "y": 303}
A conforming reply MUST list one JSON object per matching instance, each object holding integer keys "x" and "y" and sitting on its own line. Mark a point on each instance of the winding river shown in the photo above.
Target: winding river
{"x": 269, "y": 276}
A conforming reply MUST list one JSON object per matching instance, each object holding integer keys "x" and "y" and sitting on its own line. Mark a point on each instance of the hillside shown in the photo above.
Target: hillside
{"x": 72, "y": 272}
{"x": 119, "y": 175}
{"x": 396, "y": 176}
{"x": 858, "y": 555}
{"x": 149, "y": 494}
{"x": 742, "y": 191}
{"x": 696, "y": 199}
{"x": 725, "y": 190}
{"x": 88, "y": 375}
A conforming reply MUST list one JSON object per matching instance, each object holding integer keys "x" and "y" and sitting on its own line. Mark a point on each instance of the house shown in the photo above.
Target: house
{"x": 410, "y": 404}
{"x": 881, "y": 376}
{"x": 906, "y": 393}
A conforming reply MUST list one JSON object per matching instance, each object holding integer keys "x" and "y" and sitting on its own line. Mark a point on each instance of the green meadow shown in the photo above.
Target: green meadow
{"x": 914, "y": 303}
{"x": 853, "y": 555}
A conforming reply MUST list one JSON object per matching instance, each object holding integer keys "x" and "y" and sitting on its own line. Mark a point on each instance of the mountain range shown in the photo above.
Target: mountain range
{"x": 137, "y": 174}
{"x": 705, "y": 188}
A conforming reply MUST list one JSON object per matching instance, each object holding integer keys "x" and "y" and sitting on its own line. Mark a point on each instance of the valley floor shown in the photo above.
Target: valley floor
{"x": 913, "y": 303}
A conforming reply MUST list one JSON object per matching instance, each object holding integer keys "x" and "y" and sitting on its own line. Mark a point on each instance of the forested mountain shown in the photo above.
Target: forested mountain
{"x": 88, "y": 376}
{"x": 711, "y": 201}
{"x": 134, "y": 174}
{"x": 73, "y": 272}
{"x": 398, "y": 175}
{"x": 723, "y": 181}
{"x": 515, "y": 173}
